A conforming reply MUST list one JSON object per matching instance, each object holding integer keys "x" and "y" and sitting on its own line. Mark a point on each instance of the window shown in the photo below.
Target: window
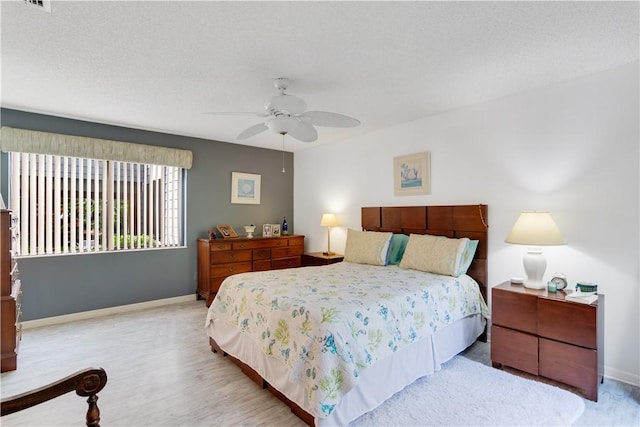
{"x": 79, "y": 205}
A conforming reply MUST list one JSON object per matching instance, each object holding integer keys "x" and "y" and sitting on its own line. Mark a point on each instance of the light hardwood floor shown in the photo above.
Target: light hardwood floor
{"x": 161, "y": 372}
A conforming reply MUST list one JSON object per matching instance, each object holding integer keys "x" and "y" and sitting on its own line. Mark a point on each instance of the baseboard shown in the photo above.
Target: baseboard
{"x": 622, "y": 376}
{"x": 55, "y": 320}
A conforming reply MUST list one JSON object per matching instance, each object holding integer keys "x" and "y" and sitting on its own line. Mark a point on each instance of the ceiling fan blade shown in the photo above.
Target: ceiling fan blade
{"x": 252, "y": 130}
{"x": 238, "y": 114}
{"x": 304, "y": 132}
{"x": 324, "y": 118}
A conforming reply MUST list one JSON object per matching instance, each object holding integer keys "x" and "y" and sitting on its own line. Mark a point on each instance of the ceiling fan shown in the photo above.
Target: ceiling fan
{"x": 286, "y": 115}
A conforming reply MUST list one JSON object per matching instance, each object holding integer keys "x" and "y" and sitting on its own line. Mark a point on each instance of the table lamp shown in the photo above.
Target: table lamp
{"x": 535, "y": 229}
{"x": 328, "y": 220}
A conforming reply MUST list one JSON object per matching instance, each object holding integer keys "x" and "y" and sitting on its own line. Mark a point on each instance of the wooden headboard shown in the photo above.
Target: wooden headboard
{"x": 452, "y": 221}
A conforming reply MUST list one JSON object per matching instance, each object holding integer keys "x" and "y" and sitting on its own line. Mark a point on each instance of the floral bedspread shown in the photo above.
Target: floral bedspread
{"x": 329, "y": 323}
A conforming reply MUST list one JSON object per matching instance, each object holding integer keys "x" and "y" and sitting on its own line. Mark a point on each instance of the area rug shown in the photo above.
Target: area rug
{"x": 468, "y": 393}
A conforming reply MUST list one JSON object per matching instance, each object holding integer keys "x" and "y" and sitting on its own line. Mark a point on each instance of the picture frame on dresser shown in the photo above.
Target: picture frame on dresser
{"x": 227, "y": 231}
{"x": 245, "y": 188}
{"x": 267, "y": 230}
{"x": 275, "y": 230}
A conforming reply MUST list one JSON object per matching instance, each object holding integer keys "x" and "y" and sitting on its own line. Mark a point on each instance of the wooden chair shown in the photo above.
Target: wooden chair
{"x": 87, "y": 382}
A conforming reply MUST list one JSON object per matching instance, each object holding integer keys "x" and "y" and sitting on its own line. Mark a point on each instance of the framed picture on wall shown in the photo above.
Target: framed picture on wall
{"x": 412, "y": 174}
{"x": 266, "y": 230}
{"x": 245, "y": 188}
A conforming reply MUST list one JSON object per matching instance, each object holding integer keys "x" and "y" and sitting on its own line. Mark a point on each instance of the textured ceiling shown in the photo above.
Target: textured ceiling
{"x": 161, "y": 65}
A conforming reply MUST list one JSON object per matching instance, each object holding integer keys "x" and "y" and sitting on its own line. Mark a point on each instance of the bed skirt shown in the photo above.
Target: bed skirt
{"x": 377, "y": 383}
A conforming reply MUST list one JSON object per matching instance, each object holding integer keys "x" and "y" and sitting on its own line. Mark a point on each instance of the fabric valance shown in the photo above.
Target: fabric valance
{"x": 29, "y": 141}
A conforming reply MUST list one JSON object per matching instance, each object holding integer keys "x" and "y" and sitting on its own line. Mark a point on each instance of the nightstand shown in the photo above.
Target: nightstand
{"x": 545, "y": 334}
{"x": 318, "y": 258}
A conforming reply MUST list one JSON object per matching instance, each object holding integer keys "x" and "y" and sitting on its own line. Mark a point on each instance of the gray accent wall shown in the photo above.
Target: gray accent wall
{"x": 58, "y": 285}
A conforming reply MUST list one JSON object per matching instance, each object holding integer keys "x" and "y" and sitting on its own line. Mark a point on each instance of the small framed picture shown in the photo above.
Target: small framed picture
{"x": 245, "y": 188}
{"x": 275, "y": 230}
{"x": 411, "y": 174}
{"x": 267, "y": 231}
{"x": 212, "y": 234}
{"x": 227, "y": 231}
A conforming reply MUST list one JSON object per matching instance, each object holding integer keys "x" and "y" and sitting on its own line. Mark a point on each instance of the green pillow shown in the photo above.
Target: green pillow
{"x": 396, "y": 249}
{"x": 467, "y": 256}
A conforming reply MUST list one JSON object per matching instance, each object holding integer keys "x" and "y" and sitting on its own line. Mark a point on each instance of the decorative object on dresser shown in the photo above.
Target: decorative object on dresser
{"x": 249, "y": 229}
{"x": 329, "y": 220}
{"x": 267, "y": 231}
{"x": 11, "y": 292}
{"x": 227, "y": 231}
{"x": 245, "y": 188}
{"x": 218, "y": 259}
{"x": 411, "y": 174}
{"x": 559, "y": 280}
{"x": 549, "y": 335}
{"x": 320, "y": 258}
{"x": 275, "y": 230}
{"x": 535, "y": 229}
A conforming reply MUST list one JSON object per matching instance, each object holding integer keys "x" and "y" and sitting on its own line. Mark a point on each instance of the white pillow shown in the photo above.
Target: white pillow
{"x": 367, "y": 247}
{"x": 434, "y": 254}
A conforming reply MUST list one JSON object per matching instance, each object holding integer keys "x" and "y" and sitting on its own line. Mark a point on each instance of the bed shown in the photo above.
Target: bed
{"x": 334, "y": 342}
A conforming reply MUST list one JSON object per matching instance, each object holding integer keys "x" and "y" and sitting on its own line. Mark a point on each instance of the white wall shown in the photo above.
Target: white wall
{"x": 571, "y": 149}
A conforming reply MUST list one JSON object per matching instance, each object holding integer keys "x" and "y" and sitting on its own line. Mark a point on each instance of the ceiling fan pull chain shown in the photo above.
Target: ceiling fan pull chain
{"x": 283, "y": 171}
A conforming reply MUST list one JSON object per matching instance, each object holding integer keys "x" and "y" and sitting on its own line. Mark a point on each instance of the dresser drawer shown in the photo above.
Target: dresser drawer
{"x": 515, "y": 309}
{"x": 214, "y": 284}
{"x": 515, "y": 349}
{"x": 287, "y": 251}
{"x": 220, "y": 246}
{"x": 223, "y": 257}
{"x": 286, "y": 263}
{"x": 262, "y": 265}
{"x": 569, "y": 364}
{"x": 261, "y": 254}
{"x": 296, "y": 241}
{"x": 566, "y": 321}
{"x": 224, "y": 270}
{"x": 259, "y": 243}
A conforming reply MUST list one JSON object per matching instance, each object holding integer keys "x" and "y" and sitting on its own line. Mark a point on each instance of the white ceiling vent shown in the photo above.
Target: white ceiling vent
{"x": 40, "y": 4}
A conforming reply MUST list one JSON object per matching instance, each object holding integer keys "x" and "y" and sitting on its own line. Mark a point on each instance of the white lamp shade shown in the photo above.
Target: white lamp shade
{"x": 535, "y": 229}
{"x": 328, "y": 220}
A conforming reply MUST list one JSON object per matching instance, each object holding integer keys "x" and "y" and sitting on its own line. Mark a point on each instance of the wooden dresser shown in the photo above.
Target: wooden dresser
{"x": 545, "y": 334}
{"x": 11, "y": 292}
{"x": 220, "y": 258}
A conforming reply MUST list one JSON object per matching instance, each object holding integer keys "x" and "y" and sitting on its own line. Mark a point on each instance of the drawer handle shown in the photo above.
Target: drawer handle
{"x": 232, "y": 256}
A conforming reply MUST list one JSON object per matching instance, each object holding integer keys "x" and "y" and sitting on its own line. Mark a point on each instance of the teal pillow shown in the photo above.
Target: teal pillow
{"x": 396, "y": 248}
{"x": 467, "y": 256}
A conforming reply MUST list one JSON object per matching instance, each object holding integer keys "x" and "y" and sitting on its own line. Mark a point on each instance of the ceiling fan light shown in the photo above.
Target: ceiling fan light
{"x": 282, "y": 124}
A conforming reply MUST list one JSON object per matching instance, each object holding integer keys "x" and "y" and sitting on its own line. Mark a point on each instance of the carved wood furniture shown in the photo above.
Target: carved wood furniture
{"x": 451, "y": 221}
{"x": 11, "y": 292}
{"x": 545, "y": 334}
{"x": 219, "y": 258}
{"x": 87, "y": 383}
